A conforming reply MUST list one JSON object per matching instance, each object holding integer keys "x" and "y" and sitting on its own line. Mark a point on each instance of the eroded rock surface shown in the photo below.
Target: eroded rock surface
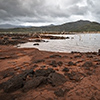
{"x": 30, "y": 74}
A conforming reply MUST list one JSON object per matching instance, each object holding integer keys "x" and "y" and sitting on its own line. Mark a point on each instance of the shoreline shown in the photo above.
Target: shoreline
{"x": 65, "y": 33}
{"x": 33, "y": 74}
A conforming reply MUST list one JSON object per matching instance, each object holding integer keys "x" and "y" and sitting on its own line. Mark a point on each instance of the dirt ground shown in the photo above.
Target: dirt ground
{"x": 80, "y": 70}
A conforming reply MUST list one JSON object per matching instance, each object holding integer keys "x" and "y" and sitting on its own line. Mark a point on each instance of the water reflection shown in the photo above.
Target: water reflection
{"x": 78, "y": 42}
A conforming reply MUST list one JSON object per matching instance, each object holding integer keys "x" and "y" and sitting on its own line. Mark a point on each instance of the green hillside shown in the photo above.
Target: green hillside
{"x": 78, "y": 26}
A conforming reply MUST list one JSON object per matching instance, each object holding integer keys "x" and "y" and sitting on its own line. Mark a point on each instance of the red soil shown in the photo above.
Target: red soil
{"x": 81, "y": 87}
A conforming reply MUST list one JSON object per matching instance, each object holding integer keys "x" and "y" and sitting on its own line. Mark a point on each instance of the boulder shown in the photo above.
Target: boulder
{"x": 17, "y": 82}
{"x": 59, "y": 93}
{"x": 44, "y": 72}
{"x": 13, "y": 84}
{"x": 87, "y": 64}
{"x": 76, "y": 76}
{"x": 2, "y": 85}
{"x": 25, "y": 73}
{"x": 34, "y": 83}
{"x": 56, "y": 79}
{"x": 7, "y": 73}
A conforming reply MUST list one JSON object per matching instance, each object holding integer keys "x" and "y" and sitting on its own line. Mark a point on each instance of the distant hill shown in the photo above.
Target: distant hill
{"x": 6, "y": 26}
{"x": 9, "y": 26}
{"x": 78, "y": 26}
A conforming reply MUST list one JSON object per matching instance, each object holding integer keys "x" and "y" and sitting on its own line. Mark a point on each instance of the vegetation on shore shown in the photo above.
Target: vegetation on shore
{"x": 79, "y": 26}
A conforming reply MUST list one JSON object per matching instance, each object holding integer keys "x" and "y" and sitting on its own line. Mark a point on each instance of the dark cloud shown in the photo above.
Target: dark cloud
{"x": 94, "y": 7}
{"x": 48, "y": 11}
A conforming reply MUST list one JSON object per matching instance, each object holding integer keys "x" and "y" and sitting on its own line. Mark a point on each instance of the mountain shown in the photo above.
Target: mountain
{"x": 7, "y": 26}
{"x": 78, "y": 26}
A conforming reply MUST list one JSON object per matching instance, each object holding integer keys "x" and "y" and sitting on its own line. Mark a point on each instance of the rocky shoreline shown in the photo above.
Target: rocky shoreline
{"x": 14, "y": 39}
{"x": 31, "y": 74}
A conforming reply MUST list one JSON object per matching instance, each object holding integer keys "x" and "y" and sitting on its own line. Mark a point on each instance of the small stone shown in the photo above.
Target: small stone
{"x": 36, "y": 44}
{"x": 70, "y": 63}
{"x": 35, "y": 66}
{"x": 43, "y": 66}
{"x": 53, "y": 63}
{"x": 60, "y": 63}
{"x": 39, "y": 61}
{"x": 88, "y": 64}
{"x": 67, "y": 37}
{"x": 54, "y": 56}
{"x": 66, "y": 69}
{"x": 77, "y": 56}
{"x": 89, "y": 56}
{"x": 92, "y": 98}
{"x": 17, "y": 68}
{"x": 44, "y": 72}
{"x": 59, "y": 93}
{"x": 99, "y": 52}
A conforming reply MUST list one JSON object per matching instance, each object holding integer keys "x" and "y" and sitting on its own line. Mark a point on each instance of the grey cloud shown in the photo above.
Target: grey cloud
{"x": 94, "y": 9}
{"x": 46, "y": 11}
{"x": 76, "y": 10}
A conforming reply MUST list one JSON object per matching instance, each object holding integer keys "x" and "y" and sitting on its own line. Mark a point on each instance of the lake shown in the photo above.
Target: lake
{"x": 76, "y": 42}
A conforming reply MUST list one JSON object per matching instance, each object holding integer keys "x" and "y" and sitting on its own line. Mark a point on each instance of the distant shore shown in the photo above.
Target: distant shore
{"x": 49, "y": 32}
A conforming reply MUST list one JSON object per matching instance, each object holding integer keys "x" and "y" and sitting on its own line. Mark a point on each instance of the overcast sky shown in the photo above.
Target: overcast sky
{"x": 45, "y": 12}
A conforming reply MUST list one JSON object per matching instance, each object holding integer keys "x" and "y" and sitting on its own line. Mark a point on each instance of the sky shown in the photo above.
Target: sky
{"x": 46, "y": 12}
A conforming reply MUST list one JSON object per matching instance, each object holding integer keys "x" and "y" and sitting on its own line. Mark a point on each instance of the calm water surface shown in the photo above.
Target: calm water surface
{"x": 77, "y": 42}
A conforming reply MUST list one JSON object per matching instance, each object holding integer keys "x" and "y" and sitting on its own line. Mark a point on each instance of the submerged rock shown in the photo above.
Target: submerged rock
{"x": 36, "y": 44}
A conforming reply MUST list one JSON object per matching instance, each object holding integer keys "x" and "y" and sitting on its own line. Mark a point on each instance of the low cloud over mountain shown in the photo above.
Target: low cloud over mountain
{"x": 46, "y": 12}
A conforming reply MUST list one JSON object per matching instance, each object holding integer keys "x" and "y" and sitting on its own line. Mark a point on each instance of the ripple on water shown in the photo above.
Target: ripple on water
{"x": 77, "y": 42}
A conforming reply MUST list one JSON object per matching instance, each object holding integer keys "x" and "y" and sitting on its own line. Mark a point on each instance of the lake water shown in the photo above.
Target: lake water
{"x": 77, "y": 42}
